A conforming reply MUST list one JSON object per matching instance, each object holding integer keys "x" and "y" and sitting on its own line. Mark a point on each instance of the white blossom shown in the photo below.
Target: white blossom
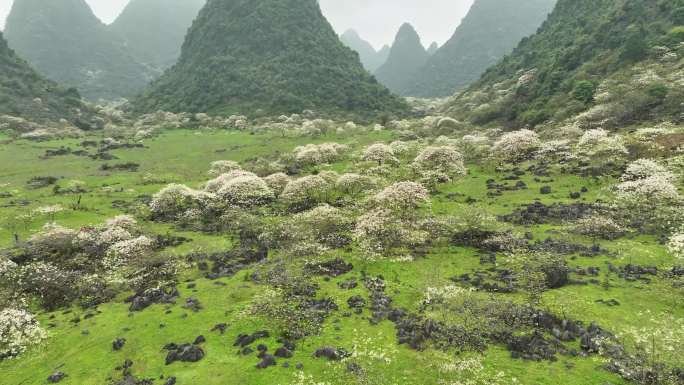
{"x": 645, "y": 168}
{"x": 402, "y": 196}
{"x": 443, "y": 160}
{"x": 517, "y": 145}
{"x": 223, "y": 166}
{"x": 19, "y": 330}
{"x": 380, "y": 153}
{"x": 246, "y": 191}
{"x": 277, "y": 182}
{"x": 676, "y": 245}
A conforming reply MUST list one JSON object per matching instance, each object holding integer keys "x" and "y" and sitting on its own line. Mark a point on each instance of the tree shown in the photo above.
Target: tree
{"x": 584, "y": 91}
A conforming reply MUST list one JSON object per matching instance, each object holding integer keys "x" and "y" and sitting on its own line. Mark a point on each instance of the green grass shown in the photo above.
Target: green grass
{"x": 83, "y": 350}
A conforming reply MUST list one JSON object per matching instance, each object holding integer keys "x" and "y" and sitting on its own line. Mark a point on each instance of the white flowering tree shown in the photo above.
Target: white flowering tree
{"x": 646, "y": 168}
{"x": 19, "y": 330}
{"x": 600, "y": 149}
{"x": 516, "y": 146}
{"x": 379, "y": 153}
{"x": 305, "y": 192}
{"x": 176, "y": 199}
{"x": 394, "y": 221}
{"x": 277, "y": 182}
{"x": 652, "y": 203}
{"x": 403, "y": 198}
{"x": 223, "y": 166}
{"x": 354, "y": 184}
{"x": 245, "y": 191}
{"x": 439, "y": 164}
{"x": 676, "y": 245}
{"x": 312, "y": 232}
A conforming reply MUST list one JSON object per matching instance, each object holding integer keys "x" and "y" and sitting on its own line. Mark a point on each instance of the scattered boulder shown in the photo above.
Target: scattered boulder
{"x": 266, "y": 361}
{"x": 247, "y": 339}
{"x": 143, "y": 300}
{"x": 221, "y": 328}
{"x": 56, "y": 377}
{"x": 184, "y": 353}
{"x": 333, "y": 268}
{"x": 332, "y": 354}
{"x": 192, "y": 304}
{"x": 118, "y": 344}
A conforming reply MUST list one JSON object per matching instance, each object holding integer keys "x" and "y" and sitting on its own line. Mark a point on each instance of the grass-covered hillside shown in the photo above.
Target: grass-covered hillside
{"x": 490, "y": 30}
{"x": 613, "y": 62}
{"x": 315, "y": 252}
{"x": 24, "y": 94}
{"x": 65, "y": 42}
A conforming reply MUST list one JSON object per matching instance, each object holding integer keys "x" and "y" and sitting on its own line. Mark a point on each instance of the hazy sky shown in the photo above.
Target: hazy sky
{"x": 376, "y": 20}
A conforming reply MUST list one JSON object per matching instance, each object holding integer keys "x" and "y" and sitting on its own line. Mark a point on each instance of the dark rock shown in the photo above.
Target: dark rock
{"x": 333, "y": 268}
{"x": 266, "y": 361}
{"x": 165, "y": 295}
{"x": 199, "y": 340}
{"x": 56, "y": 377}
{"x": 538, "y": 213}
{"x": 192, "y": 304}
{"x": 357, "y": 303}
{"x": 348, "y": 284}
{"x": 185, "y": 353}
{"x": 221, "y": 328}
{"x": 246, "y": 339}
{"x": 283, "y": 352}
{"x": 170, "y": 381}
{"x": 118, "y": 344}
{"x": 332, "y": 354}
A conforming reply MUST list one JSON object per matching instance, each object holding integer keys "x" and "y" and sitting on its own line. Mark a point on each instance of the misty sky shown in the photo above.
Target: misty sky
{"x": 376, "y": 20}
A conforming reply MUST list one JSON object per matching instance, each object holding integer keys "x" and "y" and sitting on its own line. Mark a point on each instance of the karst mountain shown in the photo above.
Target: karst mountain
{"x": 266, "y": 56}
{"x": 67, "y": 43}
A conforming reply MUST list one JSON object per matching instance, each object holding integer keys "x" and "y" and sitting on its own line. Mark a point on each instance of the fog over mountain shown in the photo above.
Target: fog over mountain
{"x": 435, "y": 20}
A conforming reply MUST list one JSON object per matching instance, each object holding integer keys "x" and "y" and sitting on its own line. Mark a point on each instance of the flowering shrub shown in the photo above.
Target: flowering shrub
{"x": 400, "y": 148}
{"x": 246, "y": 191}
{"x": 676, "y": 245}
{"x": 598, "y": 226}
{"x": 555, "y": 151}
{"x": 653, "y": 189}
{"x": 175, "y": 199}
{"x": 379, "y": 231}
{"x": 645, "y": 168}
{"x": 380, "y": 153}
{"x": 441, "y": 160}
{"x": 6, "y": 267}
{"x": 217, "y": 183}
{"x": 19, "y": 330}
{"x": 315, "y": 154}
{"x": 598, "y": 147}
{"x": 305, "y": 192}
{"x": 122, "y": 252}
{"x": 354, "y": 184}
{"x": 516, "y": 146}
{"x": 52, "y": 239}
{"x": 402, "y": 197}
{"x": 473, "y": 147}
{"x": 312, "y": 232}
{"x": 48, "y": 282}
{"x": 223, "y": 166}
{"x": 277, "y": 182}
